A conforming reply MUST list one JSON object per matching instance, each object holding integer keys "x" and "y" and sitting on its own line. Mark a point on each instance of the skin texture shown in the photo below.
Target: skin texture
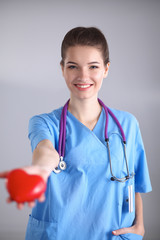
{"x": 83, "y": 71}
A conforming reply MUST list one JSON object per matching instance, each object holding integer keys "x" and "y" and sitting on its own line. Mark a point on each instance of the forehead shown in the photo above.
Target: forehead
{"x": 83, "y": 53}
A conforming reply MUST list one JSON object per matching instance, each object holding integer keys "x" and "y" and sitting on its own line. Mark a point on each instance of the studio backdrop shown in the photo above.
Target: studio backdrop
{"x": 31, "y": 81}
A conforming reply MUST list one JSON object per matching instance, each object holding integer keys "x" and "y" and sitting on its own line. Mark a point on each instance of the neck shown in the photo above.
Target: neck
{"x": 86, "y": 111}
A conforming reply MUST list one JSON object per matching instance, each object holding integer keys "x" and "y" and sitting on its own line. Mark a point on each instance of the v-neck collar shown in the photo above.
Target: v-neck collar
{"x": 96, "y": 125}
{"x": 98, "y": 131}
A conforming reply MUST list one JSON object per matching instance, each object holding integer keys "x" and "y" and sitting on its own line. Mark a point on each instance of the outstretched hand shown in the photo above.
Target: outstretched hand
{"x": 31, "y": 170}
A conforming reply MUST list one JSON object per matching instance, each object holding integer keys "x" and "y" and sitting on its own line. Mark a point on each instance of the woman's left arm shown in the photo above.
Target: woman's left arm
{"x": 138, "y": 227}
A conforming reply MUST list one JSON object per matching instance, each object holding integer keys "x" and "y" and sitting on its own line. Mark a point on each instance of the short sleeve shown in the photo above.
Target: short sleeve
{"x": 142, "y": 179}
{"x": 40, "y": 128}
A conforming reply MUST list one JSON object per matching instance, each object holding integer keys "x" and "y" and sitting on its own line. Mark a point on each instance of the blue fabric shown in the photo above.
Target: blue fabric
{"x": 82, "y": 202}
{"x": 131, "y": 236}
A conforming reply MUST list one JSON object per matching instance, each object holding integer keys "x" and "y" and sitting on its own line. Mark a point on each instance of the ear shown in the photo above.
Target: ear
{"x": 106, "y": 70}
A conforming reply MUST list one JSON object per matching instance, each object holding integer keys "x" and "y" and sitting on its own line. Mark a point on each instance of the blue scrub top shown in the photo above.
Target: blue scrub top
{"x": 82, "y": 202}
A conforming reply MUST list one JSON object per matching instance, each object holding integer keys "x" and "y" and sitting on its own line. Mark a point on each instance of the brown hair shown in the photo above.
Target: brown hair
{"x": 83, "y": 36}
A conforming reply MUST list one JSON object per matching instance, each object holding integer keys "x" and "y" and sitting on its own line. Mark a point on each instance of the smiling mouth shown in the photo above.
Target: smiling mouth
{"x": 83, "y": 86}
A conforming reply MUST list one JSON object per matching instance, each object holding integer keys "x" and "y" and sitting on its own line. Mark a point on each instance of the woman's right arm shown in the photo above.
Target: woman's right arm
{"x": 45, "y": 159}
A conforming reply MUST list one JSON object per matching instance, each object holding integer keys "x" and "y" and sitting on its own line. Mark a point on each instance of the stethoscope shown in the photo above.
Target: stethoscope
{"x": 62, "y": 136}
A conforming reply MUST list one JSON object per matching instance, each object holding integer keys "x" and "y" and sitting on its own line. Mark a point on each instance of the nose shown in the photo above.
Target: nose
{"x": 83, "y": 75}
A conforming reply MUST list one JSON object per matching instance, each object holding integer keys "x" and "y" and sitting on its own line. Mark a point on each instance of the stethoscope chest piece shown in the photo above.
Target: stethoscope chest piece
{"x": 62, "y": 166}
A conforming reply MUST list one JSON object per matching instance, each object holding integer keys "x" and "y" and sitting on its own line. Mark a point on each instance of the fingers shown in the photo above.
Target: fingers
{"x": 41, "y": 198}
{"x": 8, "y": 200}
{"x": 20, "y": 206}
{"x": 4, "y": 174}
{"x": 31, "y": 204}
{"x": 122, "y": 231}
{"x": 134, "y": 229}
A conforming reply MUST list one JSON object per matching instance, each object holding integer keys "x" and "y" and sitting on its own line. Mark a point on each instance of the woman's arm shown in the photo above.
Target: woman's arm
{"x": 138, "y": 226}
{"x": 139, "y": 214}
{"x": 45, "y": 159}
{"x": 45, "y": 156}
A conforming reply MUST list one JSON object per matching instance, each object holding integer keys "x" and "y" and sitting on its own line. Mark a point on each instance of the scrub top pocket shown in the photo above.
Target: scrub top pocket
{"x": 129, "y": 197}
{"x": 40, "y": 230}
{"x": 126, "y": 204}
{"x": 131, "y": 236}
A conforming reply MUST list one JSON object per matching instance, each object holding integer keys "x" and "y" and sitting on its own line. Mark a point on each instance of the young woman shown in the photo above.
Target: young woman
{"x": 92, "y": 157}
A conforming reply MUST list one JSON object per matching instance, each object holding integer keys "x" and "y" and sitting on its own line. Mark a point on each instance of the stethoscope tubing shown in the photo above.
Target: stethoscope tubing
{"x": 62, "y": 135}
{"x": 62, "y": 139}
{"x": 107, "y": 110}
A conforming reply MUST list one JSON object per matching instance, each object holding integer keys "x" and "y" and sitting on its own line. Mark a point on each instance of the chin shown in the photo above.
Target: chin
{"x": 84, "y": 96}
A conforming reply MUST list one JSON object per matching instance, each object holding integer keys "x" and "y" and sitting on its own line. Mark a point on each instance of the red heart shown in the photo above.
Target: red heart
{"x": 24, "y": 187}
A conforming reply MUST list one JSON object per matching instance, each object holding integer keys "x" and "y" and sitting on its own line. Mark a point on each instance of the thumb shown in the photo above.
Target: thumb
{"x": 4, "y": 174}
{"x": 121, "y": 231}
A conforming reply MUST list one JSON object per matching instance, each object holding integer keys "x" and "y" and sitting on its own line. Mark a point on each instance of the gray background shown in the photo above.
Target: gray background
{"x": 31, "y": 81}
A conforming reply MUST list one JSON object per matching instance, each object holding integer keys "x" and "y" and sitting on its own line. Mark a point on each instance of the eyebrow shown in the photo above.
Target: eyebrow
{"x": 88, "y": 63}
{"x": 72, "y": 63}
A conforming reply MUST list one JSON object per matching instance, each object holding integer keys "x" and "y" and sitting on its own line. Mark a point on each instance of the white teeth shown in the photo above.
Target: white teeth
{"x": 83, "y": 86}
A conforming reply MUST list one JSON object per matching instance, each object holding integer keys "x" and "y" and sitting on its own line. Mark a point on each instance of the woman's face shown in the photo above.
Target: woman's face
{"x": 84, "y": 71}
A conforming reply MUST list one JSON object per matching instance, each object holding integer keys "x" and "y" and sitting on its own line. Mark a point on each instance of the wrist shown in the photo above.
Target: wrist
{"x": 139, "y": 227}
{"x": 42, "y": 171}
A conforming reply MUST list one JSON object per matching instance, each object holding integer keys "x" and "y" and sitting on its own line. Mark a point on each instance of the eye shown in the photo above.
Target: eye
{"x": 72, "y": 67}
{"x": 93, "y": 67}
